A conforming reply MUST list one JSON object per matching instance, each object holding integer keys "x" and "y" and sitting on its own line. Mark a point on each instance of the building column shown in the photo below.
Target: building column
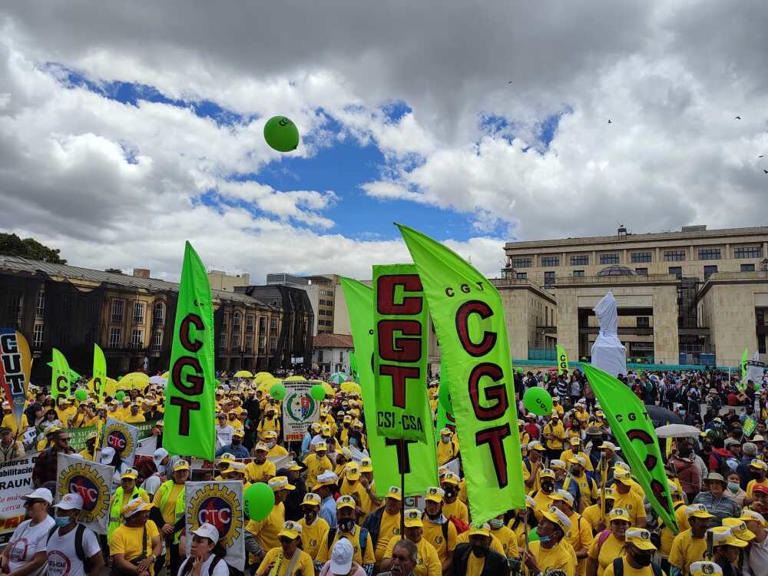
{"x": 666, "y": 342}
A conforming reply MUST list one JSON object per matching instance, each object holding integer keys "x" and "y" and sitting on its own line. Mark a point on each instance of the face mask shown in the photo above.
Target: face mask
{"x": 479, "y": 551}
{"x": 271, "y": 444}
{"x": 62, "y": 521}
{"x": 643, "y": 558}
{"x": 545, "y": 539}
{"x": 434, "y": 517}
{"x": 496, "y": 523}
{"x": 576, "y": 471}
{"x": 450, "y": 493}
{"x": 547, "y": 487}
{"x": 445, "y": 439}
{"x": 310, "y": 516}
{"x": 733, "y": 487}
{"x": 346, "y": 525}
{"x": 353, "y": 442}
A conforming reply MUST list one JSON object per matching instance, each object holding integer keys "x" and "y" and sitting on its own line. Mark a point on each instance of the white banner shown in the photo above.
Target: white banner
{"x": 15, "y": 483}
{"x": 147, "y": 446}
{"x": 93, "y": 482}
{"x": 220, "y": 504}
{"x": 755, "y": 370}
{"x": 300, "y": 410}
{"x": 123, "y": 437}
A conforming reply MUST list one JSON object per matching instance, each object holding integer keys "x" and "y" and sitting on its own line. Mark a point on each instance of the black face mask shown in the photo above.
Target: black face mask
{"x": 479, "y": 551}
{"x": 434, "y": 517}
{"x": 450, "y": 493}
{"x": 346, "y": 525}
{"x": 643, "y": 558}
{"x": 310, "y": 515}
{"x": 547, "y": 487}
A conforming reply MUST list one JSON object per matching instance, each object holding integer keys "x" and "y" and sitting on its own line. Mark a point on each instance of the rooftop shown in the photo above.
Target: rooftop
{"x": 332, "y": 341}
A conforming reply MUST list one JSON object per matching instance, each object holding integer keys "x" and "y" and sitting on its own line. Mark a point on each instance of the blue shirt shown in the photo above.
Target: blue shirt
{"x": 328, "y": 511}
{"x": 239, "y": 451}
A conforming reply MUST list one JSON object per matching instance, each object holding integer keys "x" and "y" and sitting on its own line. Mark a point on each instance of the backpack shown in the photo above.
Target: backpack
{"x": 79, "y": 550}
{"x": 618, "y": 567}
{"x": 362, "y": 538}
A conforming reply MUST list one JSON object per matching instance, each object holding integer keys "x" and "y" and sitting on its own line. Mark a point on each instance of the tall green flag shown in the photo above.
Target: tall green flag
{"x": 744, "y": 365}
{"x": 99, "y": 373}
{"x": 400, "y": 349}
{"x": 633, "y": 428}
{"x": 353, "y": 367}
{"x": 474, "y": 348}
{"x": 61, "y": 374}
{"x": 562, "y": 360}
{"x": 190, "y": 395}
{"x": 419, "y": 460}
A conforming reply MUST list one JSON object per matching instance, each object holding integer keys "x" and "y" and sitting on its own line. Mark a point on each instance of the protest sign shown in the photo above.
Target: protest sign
{"x": 15, "y": 483}
{"x": 220, "y": 504}
{"x": 93, "y": 482}
{"x": 123, "y": 437}
{"x": 300, "y": 410}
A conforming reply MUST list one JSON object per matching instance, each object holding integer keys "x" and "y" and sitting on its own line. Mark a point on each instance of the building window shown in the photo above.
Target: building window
{"x": 521, "y": 262}
{"x": 748, "y": 252}
{"x": 262, "y": 344}
{"x": 37, "y": 335}
{"x": 319, "y": 356}
{"x": 709, "y": 270}
{"x": 550, "y": 261}
{"x": 115, "y": 335}
{"x": 236, "y": 322}
{"x": 40, "y": 304}
{"x": 249, "y": 344}
{"x": 676, "y": 271}
{"x": 262, "y": 324}
{"x": 236, "y": 341}
{"x": 118, "y": 308}
{"x": 272, "y": 344}
{"x": 643, "y": 322}
{"x": 578, "y": 273}
{"x": 223, "y": 340}
{"x": 157, "y": 340}
{"x": 521, "y": 275}
{"x": 674, "y": 255}
{"x": 709, "y": 253}
{"x": 138, "y": 312}
{"x": 549, "y": 278}
{"x": 249, "y": 323}
{"x": 610, "y": 258}
{"x": 641, "y": 271}
{"x": 137, "y": 338}
{"x": 581, "y": 260}
{"x": 747, "y": 267}
{"x": 341, "y": 356}
{"x": 641, "y": 257}
{"x": 158, "y": 313}
{"x": 272, "y": 325}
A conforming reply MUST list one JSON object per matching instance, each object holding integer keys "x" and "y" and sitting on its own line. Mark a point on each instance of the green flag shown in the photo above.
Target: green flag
{"x": 190, "y": 395}
{"x": 61, "y": 374}
{"x": 562, "y": 360}
{"x": 99, "y": 373}
{"x": 420, "y": 460}
{"x": 469, "y": 321}
{"x": 633, "y": 428}
{"x": 744, "y": 369}
{"x": 400, "y": 352}
{"x": 353, "y": 367}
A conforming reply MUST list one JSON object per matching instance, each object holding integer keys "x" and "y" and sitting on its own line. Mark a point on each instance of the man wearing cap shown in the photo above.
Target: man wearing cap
{"x": 579, "y": 483}
{"x": 438, "y": 530}
{"x": 689, "y": 545}
{"x": 25, "y": 551}
{"x": 533, "y": 464}
{"x": 667, "y": 537}
{"x": 453, "y": 507}
{"x": 235, "y": 447}
{"x": 89, "y": 452}
{"x": 360, "y": 538}
{"x": 10, "y": 448}
{"x": 236, "y": 471}
{"x": 727, "y": 548}
{"x": 627, "y": 499}
{"x": 223, "y": 431}
{"x": 288, "y": 558}
{"x": 476, "y": 558}
{"x": 160, "y": 459}
{"x": 269, "y": 421}
{"x": 553, "y": 435}
{"x": 580, "y": 534}
{"x": 551, "y": 552}
{"x": 317, "y": 462}
{"x": 756, "y": 557}
{"x": 758, "y": 470}
{"x": 70, "y": 537}
{"x": 136, "y": 544}
{"x": 325, "y": 487}
{"x": 384, "y": 522}
{"x": 266, "y": 532}
{"x": 543, "y": 496}
{"x": 275, "y": 449}
{"x": 124, "y": 493}
{"x": 47, "y": 462}
{"x": 314, "y": 528}
{"x": 134, "y": 416}
{"x": 594, "y": 513}
{"x": 260, "y": 469}
{"x": 714, "y": 498}
{"x": 575, "y": 449}
{"x": 427, "y": 561}
{"x": 447, "y": 447}
{"x": 638, "y": 556}
{"x": 170, "y": 500}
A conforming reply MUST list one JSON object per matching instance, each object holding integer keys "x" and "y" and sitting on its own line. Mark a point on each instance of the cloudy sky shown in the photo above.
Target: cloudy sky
{"x": 129, "y": 127}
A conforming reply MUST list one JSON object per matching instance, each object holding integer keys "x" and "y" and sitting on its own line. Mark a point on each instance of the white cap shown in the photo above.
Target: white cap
{"x": 207, "y": 530}
{"x": 70, "y": 501}
{"x": 40, "y": 494}
{"x": 106, "y": 456}
{"x": 341, "y": 557}
{"x": 158, "y": 455}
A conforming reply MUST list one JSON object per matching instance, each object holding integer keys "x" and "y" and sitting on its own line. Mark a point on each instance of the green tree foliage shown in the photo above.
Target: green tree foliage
{"x": 12, "y": 245}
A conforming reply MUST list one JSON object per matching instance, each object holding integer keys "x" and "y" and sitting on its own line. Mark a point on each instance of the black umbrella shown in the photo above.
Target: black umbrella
{"x": 661, "y": 416}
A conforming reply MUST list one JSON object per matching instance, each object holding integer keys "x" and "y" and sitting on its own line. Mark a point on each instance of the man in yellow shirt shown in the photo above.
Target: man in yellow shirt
{"x": 758, "y": 469}
{"x": 134, "y": 416}
{"x": 317, "y": 462}
{"x": 427, "y": 560}
{"x": 594, "y": 514}
{"x": 137, "y": 537}
{"x": 452, "y": 506}
{"x": 575, "y": 449}
{"x": 360, "y": 539}
{"x": 170, "y": 500}
{"x": 690, "y": 545}
{"x": 551, "y": 552}
{"x": 383, "y": 524}
{"x": 553, "y": 434}
{"x": 580, "y": 534}
{"x": 438, "y": 530}
{"x": 314, "y": 529}
{"x": 476, "y": 557}
{"x": 260, "y": 469}
{"x": 587, "y": 487}
{"x": 447, "y": 447}
{"x": 628, "y": 500}
{"x": 543, "y": 497}
{"x": 637, "y": 557}
{"x": 267, "y": 532}
{"x": 275, "y": 449}
{"x": 288, "y": 558}
{"x": 351, "y": 486}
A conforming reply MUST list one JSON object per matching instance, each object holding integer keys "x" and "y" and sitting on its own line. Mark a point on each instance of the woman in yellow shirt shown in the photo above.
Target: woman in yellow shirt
{"x": 609, "y": 544}
{"x": 287, "y": 558}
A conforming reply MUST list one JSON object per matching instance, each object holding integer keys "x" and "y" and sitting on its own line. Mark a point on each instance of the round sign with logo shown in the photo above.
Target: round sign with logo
{"x": 85, "y": 480}
{"x": 217, "y": 504}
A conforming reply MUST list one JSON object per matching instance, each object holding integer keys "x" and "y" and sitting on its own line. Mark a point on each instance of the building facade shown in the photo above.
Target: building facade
{"x": 330, "y": 352}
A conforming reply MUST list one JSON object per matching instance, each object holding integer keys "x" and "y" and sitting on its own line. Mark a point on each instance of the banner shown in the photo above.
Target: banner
{"x": 562, "y": 360}
{"x": 15, "y": 483}
{"x": 419, "y": 460}
{"x": 400, "y": 352}
{"x": 633, "y": 429}
{"x": 190, "y": 395}
{"x": 78, "y": 436}
{"x": 299, "y": 409}
{"x": 353, "y": 367}
{"x": 15, "y": 365}
{"x": 474, "y": 348}
{"x": 93, "y": 482}
{"x": 444, "y": 409}
{"x": 124, "y": 438}
{"x": 60, "y": 376}
{"x": 220, "y": 504}
{"x": 99, "y": 373}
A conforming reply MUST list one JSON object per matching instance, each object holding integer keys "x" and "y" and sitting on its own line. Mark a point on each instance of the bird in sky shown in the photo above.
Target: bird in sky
{"x": 609, "y": 121}
{"x": 738, "y": 117}
{"x": 764, "y": 170}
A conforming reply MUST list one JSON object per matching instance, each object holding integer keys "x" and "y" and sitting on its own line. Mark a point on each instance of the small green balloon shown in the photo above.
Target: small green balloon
{"x": 281, "y": 134}
{"x": 81, "y": 395}
{"x": 259, "y": 501}
{"x": 538, "y": 401}
{"x": 120, "y": 395}
{"x": 317, "y": 392}
{"x": 277, "y": 391}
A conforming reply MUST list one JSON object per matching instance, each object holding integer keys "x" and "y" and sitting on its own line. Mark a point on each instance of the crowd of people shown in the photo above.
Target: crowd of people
{"x": 585, "y": 515}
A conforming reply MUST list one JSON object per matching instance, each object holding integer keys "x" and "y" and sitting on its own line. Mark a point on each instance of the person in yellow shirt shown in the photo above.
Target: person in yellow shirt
{"x": 134, "y": 416}
{"x": 260, "y": 469}
{"x": 543, "y": 498}
{"x": 626, "y": 474}
{"x": 89, "y": 452}
{"x": 275, "y": 449}
{"x": 236, "y": 471}
{"x": 638, "y": 555}
{"x": 266, "y": 532}
{"x": 579, "y": 536}
{"x": 317, "y": 462}
{"x": 575, "y": 449}
{"x": 628, "y": 500}
{"x": 438, "y": 530}
{"x": 352, "y": 486}
{"x": 170, "y": 499}
{"x": 476, "y": 556}
{"x": 690, "y": 545}
{"x": 594, "y": 514}
{"x": 551, "y": 551}
{"x": 587, "y": 487}
{"x": 343, "y": 458}
{"x": 452, "y": 506}
{"x": 580, "y": 413}
{"x": 346, "y": 424}
{"x": 67, "y": 411}
{"x": 138, "y": 536}
{"x": 362, "y": 543}
{"x": 447, "y": 447}
{"x": 124, "y": 493}
{"x": 608, "y": 544}
{"x": 314, "y": 529}
{"x": 758, "y": 469}
{"x": 288, "y": 558}
{"x": 553, "y": 435}
{"x": 9, "y": 419}
{"x": 427, "y": 560}
{"x": 269, "y": 421}
{"x": 557, "y": 407}
{"x": 383, "y": 524}
{"x": 506, "y": 537}
{"x": 667, "y": 536}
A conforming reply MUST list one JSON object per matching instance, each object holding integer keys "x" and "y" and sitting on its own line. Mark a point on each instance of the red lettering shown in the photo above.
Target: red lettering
{"x": 186, "y": 407}
{"x": 406, "y": 348}
{"x": 635, "y": 434}
{"x": 192, "y": 384}
{"x": 386, "y": 302}
{"x": 463, "y": 314}
{"x": 495, "y": 394}
{"x": 399, "y": 375}
{"x": 185, "y": 335}
{"x": 494, "y": 437}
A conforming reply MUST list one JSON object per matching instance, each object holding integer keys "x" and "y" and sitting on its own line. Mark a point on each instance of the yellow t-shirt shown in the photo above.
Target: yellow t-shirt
{"x": 361, "y": 557}
{"x": 389, "y": 528}
{"x": 10, "y": 421}
{"x": 475, "y": 565}
{"x": 277, "y": 450}
{"x": 315, "y": 467}
{"x": 633, "y": 504}
{"x": 274, "y": 559}
{"x": 560, "y": 557}
{"x": 313, "y": 535}
{"x": 427, "y": 560}
{"x": 604, "y": 553}
{"x": 169, "y": 510}
{"x": 266, "y": 531}
{"x": 259, "y": 472}
{"x": 542, "y": 503}
{"x": 456, "y": 509}
{"x": 134, "y": 418}
{"x": 686, "y": 550}
{"x": 667, "y": 536}
{"x": 554, "y": 435}
{"x": 508, "y": 541}
{"x": 567, "y": 454}
{"x": 630, "y": 571}
{"x": 127, "y": 541}
{"x": 496, "y": 546}
{"x": 433, "y": 533}
{"x": 446, "y": 451}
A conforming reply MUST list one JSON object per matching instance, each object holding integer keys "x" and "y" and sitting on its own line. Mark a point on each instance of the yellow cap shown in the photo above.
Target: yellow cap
{"x": 311, "y": 499}
{"x": 129, "y": 474}
{"x": 482, "y": 530}
{"x": 366, "y": 465}
{"x": 697, "y": 511}
{"x": 290, "y": 530}
{"x": 413, "y": 518}
{"x": 723, "y": 536}
{"x": 346, "y": 501}
{"x": 640, "y": 538}
{"x": 749, "y": 515}
{"x": 705, "y": 568}
{"x": 739, "y": 529}
{"x": 278, "y": 483}
{"x": 434, "y": 494}
{"x": 619, "y": 514}
{"x": 394, "y": 493}
{"x": 558, "y": 518}
{"x": 181, "y": 465}
{"x": 352, "y": 471}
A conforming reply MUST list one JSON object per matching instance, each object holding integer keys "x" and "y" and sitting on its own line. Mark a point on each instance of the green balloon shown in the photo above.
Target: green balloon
{"x": 317, "y": 392}
{"x": 81, "y": 395}
{"x": 277, "y": 391}
{"x": 281, "y": 134}
{"x": 120, "y": 395}
{"x": 259, "y": 501}
{"x": 538, "y": 401}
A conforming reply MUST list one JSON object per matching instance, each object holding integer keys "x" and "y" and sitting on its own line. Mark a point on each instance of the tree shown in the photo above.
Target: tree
{"x": 12, "y": 245}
